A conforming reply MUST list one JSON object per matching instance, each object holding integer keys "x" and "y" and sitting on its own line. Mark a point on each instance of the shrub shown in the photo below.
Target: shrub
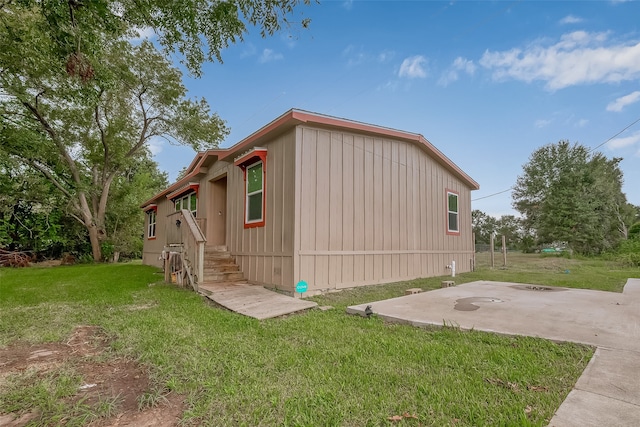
{"x": 629, "y": 252}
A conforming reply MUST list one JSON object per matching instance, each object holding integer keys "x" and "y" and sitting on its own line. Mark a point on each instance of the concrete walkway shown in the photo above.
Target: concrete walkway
{"x": 607, "y": 393}
{"x": 253, "y": 300}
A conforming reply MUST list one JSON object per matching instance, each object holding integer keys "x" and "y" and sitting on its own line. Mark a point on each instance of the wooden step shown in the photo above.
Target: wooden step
{"x": 217, "y": 256}
{"x": 226, "y": 276}
{"x": 220, "y": 269}
{"x": 218, "y": 262}
{"x": 220, "y": 266}
{"x": 221, "y": 248}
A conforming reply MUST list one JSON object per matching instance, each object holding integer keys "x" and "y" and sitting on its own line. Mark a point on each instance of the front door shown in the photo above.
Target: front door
{"x": 217, "y": 221}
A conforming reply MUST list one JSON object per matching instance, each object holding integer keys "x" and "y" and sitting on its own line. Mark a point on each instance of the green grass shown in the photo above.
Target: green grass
{"x": 314, "y": 368}
{"x": 553, "y": 270}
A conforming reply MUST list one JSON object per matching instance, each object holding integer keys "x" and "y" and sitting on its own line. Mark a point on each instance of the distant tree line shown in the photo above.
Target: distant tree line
{"x": 567, "y": 196}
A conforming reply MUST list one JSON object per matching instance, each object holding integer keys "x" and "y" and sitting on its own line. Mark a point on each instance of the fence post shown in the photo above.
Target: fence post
{"x": 473, "y": 256}
{"x": 504, "y": 251}
{"x": 491, "y": 250}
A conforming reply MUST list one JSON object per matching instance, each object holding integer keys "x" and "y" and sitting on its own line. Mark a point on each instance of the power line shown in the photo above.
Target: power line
{"x": 491, "y": 195}
{"x": 628, "y": 126}
{"x": 591, "y": 150}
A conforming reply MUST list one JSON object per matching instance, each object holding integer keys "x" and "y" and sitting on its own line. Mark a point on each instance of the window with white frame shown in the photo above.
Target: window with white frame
{"x": 151, "y": 228}
{"x": 254, "y": 203}
{"x": 452, "y": 213}
{"x": 189, "y": 202}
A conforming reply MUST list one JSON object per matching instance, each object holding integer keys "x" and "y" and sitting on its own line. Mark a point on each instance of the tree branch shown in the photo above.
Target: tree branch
{"x": 54, "y": 137}
{"x": 103, "y": 139}
{"x": 145, "y": 126}
{"x": 48, "y": 175}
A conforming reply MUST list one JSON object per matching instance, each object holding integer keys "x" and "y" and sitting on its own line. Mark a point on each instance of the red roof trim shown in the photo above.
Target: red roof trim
{"x": 192, "y": 186}
{"x": 295, "y": 117}
{"x": 251, "y": 156}
{"x": 195, "y": 166}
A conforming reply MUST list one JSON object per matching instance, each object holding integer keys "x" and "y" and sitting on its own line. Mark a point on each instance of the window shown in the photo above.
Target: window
{"x": 151, "y": 229}
{"x": 452, "y": 213}
{"x": 254, "y": 168}
{"x": 254, "y": 206}
{"x": 189, "y": 202}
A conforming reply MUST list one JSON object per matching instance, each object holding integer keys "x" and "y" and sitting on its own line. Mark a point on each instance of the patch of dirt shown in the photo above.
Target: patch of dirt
{"x": 104, "y": 379}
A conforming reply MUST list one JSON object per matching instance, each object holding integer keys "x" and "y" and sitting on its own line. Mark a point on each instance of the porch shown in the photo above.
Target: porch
{"x": 212, "y": 272}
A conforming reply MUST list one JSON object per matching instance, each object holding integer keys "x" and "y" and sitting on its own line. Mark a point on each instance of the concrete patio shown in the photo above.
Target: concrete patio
{"x": 607, "y": 393}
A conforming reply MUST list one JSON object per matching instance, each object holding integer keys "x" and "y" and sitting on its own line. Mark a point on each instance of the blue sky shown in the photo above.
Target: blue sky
{"x": 486, "y": 82}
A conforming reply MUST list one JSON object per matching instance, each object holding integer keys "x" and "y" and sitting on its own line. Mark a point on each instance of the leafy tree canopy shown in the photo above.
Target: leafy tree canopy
{"x": 197, "y": 30}
{"x": 568, "y": 194}
{"x": 83, "y": 134}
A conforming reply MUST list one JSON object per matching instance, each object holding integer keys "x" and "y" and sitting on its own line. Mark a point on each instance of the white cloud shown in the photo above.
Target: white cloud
{"x": 627, "y": 141}
{"x": 577, "y": 58}
{"x": 146, "y": 33}
{"x": 386, "y": 55}
{"x": 249, "y": 49}
{"x": 542, "y": 123}
{"x": 619, "y": 104}
{"x": 347, "y": 4}
{"x": 570, "y": 19}
{"x": 155, "y": 146}
{"x": 269, "y": 55}
{"x": 452, "y": 74}
{"x": 581, "y": 123}
{"x": 289, "y": 40}
{"x": 356, "y": 56}
{"x": 413, "y": 67}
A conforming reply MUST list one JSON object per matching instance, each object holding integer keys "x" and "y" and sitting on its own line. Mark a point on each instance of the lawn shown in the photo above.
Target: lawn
{"x": 314, "y": 368}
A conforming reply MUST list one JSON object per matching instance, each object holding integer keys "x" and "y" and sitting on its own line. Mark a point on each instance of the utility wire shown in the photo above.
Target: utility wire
{"x": 636, "y": 121}
{"x": 591, "y": 150}
{"x": 491, "y": 195}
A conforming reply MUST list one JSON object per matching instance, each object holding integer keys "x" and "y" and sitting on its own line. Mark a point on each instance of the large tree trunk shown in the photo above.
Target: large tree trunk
{"x": 94, "y": 238}
{"x": 89, "y": 221}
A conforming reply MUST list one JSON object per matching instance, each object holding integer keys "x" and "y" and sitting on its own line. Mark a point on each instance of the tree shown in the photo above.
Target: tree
{"x": 510, "y": 226}
{"x": 568, "y": 194}
{"x": 81, "y": 134}
{"x": 198, "y": 30}
{"x": 483, "y": 226}
{"x": 27, "y": 209}
{"x": 125, "y": 220}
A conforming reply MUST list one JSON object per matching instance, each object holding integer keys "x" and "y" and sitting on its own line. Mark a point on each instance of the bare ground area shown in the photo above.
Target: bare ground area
{"x": 121, "y": 382}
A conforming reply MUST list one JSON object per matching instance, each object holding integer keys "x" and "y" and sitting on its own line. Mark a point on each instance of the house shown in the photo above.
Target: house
{"x": 332, "y": 202}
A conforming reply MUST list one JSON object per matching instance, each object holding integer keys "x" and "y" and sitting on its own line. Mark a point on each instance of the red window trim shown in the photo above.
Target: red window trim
{"x": 244, "y": 161}
{"x": 154, "y": 209}
{"x": 446, "y": 198}
{"x": 251, "y": 157}
{"x": 192, "y": 186}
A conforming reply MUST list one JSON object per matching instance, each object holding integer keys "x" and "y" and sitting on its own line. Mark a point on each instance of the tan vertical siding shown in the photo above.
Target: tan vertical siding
{"x": 373, "y": 210}
{"x": 264, "y": 254}
{"x": 152, "y": 248}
